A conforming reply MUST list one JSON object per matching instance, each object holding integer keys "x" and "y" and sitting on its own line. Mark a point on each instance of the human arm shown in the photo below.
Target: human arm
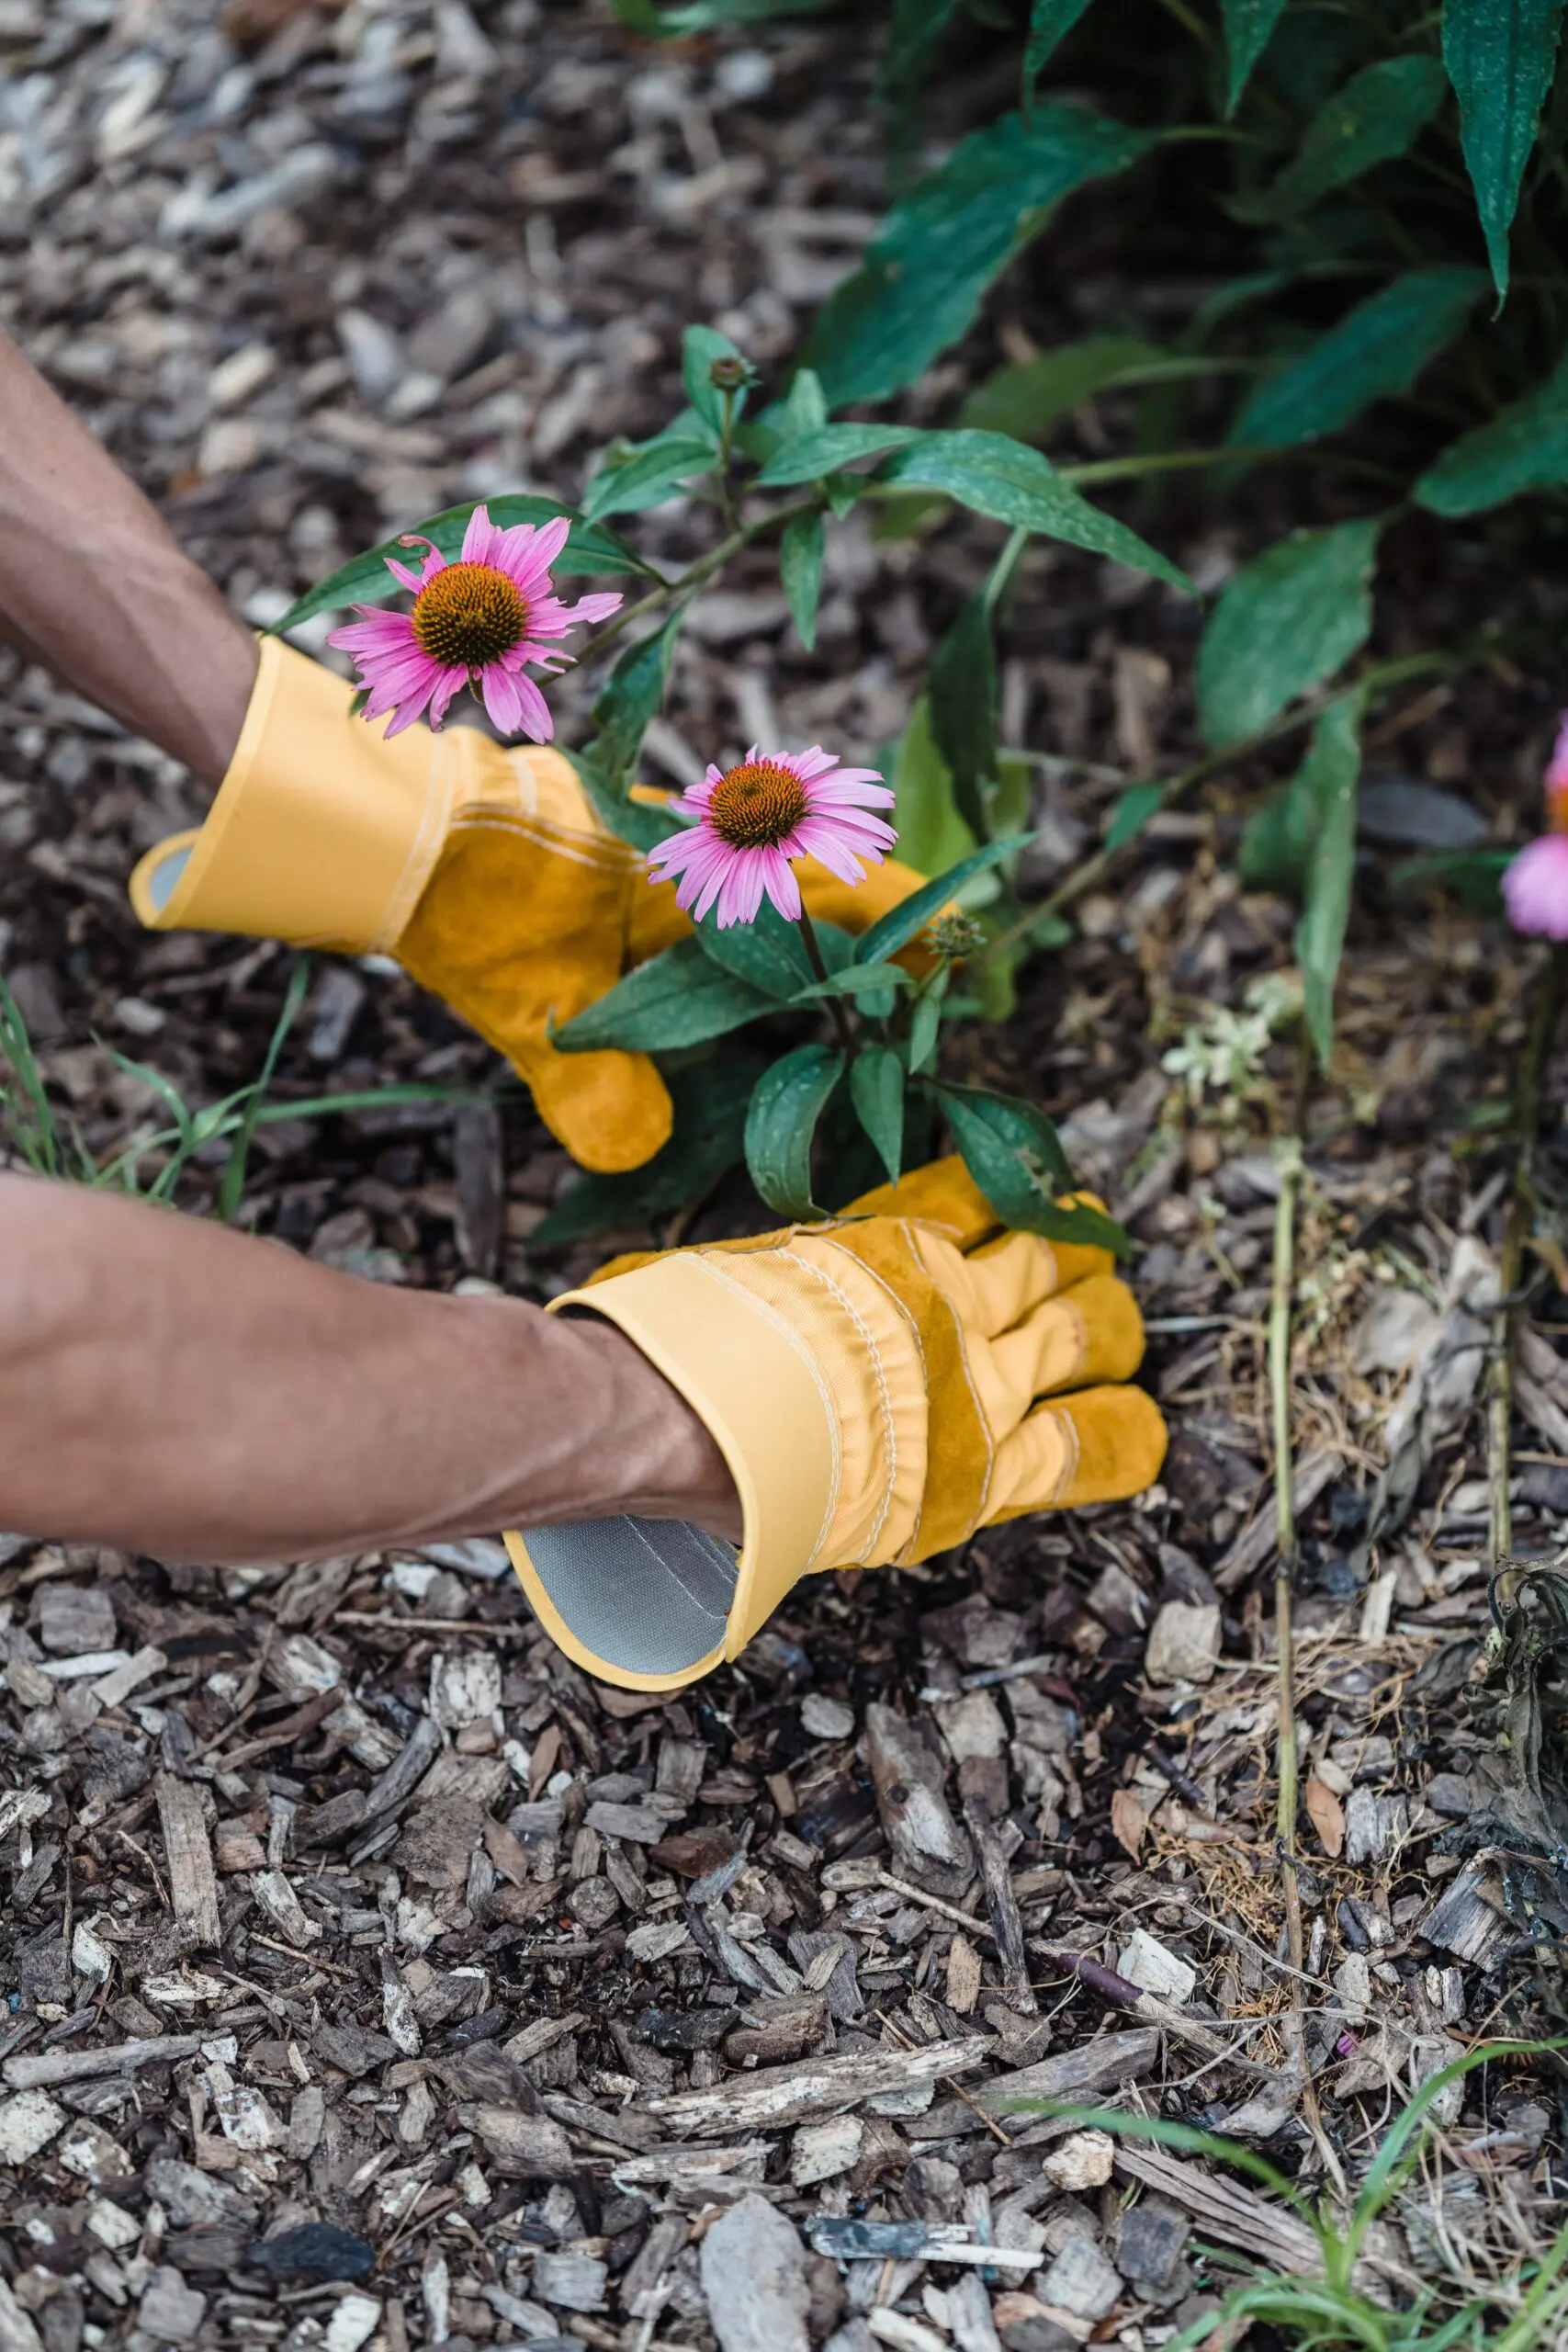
{"x": 170, "y": 1387}
{"x": 94, "y": 585}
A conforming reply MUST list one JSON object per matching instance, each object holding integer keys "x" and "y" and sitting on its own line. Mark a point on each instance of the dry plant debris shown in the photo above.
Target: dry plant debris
{"x": 372, "y": 1976}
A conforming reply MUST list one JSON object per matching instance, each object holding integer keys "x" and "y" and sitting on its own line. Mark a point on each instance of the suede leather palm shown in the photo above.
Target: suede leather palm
{"x": 881, "y": 1385}
{"x": 485, "y": 872}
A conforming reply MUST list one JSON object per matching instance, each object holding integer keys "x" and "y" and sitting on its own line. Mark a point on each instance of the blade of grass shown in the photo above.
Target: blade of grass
{"x": 231, "y": 1183}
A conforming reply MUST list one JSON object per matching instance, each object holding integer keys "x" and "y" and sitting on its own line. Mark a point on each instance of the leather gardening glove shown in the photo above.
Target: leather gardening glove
{"x": 484, "y": 871}
{"x": 880, "y": 1384}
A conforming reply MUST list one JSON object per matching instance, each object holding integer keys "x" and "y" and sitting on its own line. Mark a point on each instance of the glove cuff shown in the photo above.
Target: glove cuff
{"x": 621, "y": 1597}
{"x": 323, "y": 832}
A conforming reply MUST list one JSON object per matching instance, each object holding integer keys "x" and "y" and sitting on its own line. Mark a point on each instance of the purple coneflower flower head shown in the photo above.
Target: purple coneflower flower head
{"x": 753, "y": 820}
{"x": 1535, "y": 886}
{"x": 476, "y": 622}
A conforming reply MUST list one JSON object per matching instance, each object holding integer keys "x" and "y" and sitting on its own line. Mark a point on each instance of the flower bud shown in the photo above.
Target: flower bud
{"x": 957, "y": 936}
{"x": 727, "y": 375}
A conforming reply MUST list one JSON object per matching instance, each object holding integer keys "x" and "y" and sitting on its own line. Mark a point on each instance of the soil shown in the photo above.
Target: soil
{"x": 373, "y": 1974}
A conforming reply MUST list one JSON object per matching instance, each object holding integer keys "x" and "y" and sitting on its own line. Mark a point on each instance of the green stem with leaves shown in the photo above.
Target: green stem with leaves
{"x": 836, "y": 1005}
{"x": 1548, "y": 1010}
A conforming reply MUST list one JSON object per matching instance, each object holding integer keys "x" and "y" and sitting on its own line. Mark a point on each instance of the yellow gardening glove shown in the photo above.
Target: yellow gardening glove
{"x": 880, "y": 1384}
{"x": 485, "y": 872}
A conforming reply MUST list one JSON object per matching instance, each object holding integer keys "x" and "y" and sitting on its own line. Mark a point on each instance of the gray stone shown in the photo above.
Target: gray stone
{"x": 1081, "y": 2281}
{"x": 1149, "y": 2242}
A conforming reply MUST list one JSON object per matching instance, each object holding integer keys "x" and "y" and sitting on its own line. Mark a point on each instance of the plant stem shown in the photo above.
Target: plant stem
{"x": 1527, "y": 1132}
{"x": 1380, "y": 677}
{"x": 744, "y": 536}
{"x": 726, "y": 443}
{"x": 1287, "y": 1159}
{"x": 835, "y": 1004}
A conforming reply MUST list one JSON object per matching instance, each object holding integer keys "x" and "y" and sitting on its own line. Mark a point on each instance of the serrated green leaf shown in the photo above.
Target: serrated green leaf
{"x": 899, "y": 925}
{"x": 648, "y": 479}
{"x": 631, "y": 697}
{"x": 1525, "y": 446}
{"x": 708, "y": 1100}
{"x": 781, "y": 1124}
{"x": 1132, "y": 812}
{"x": 1329, "y": 775}
{"x": 1050, "y": 22}
{"x": 769, "y": 954}
{"x": 1500, "y": 56}
{"x": 700, "y": 346}
{"x": 801, "y": 551}
{"x": 641, "y": 823}
{"x": 366, "y": 580}
{"x": 921, "y": 285}
{"x": 1373, "y": 120}
{"x": 680, "y": 998}
{"x": 876, "y": 1090}
{"x": 963, "y": 697}
{"x": 829, "y": 447}
{"x": 1249, "y": 26}
{"x": 1285, "y": 622}
{"x": 992, "y": 474}
{"x": 1015, "y": 1155}
{"x": 1376, "y": 350}
{"x": 1027, "y": 400}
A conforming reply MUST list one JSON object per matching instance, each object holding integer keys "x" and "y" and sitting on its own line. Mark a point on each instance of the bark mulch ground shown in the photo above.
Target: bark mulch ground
{"x": 372, "y": 1974}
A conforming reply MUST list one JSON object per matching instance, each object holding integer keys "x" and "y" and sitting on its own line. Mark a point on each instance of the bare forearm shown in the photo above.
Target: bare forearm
{"x": 169, "y": 1386}
{"x": 93, "y": 585}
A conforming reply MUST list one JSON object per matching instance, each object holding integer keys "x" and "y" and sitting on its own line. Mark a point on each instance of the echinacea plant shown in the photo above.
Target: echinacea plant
{"x": 817, "y": 1119}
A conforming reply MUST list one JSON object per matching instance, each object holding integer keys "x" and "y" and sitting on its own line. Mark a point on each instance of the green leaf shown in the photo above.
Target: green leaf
{"x": 1131, "y": 813}
{"x": 806, "y": 410}
{"x": 921, "y": 285}
{"x": 1015, "y": 1155}
{"x": 1474, "y": 875}
{"x": 876, "y": 1090}
{"x": 800, "y": 570}
{"x": 680, "y": 998}
{"x": 700, "y": 346}
{"x": 787, "y": 1101}
{"x": 1328, "y": 777}
{"x": 899, "y": 925}
{"x": 1500, "y": 56}
{"x": 1372, "y": 120}
{"x": 926, "y": 1024}
{"x": 366, "y": 579}
{"x": 709, "y": 1103}
{"x": 1525, "y": 446}
{"x": 826, "y": 448}
{"x": 1050, "y": 22}
{"x": 855, "y": 980}
{"x": 964, "y": 709}
{"x": 931, "y": 833}
{"x": 1249, "y": 24}
{"x": 994, "y": 475}
{"x": 631, "y": 697}
{"x": 770, "y": 953}
{"x": 1276, "y": 843}
{"x": 648, "y": 479}
{"x": 1026, "y": 400}
{"x": 643, "y": 824}
{"x": 1376, "y": 350}
{"x": 1285, "y": 622}
{"x": 912, "y": 37}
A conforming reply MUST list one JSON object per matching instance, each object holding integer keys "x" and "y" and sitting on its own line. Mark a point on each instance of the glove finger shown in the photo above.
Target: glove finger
{"x": 610, "y": 1110}
{"x": 1007, "y": 1279}
{"x": 942, "y": 1194}
{"x": 1090, "y": 1333}
{"x": 1098, "y": 1445}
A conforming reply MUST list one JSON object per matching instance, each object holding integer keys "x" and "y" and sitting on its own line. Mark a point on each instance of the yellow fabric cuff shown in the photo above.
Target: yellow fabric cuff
{"x": 322, "y": 833}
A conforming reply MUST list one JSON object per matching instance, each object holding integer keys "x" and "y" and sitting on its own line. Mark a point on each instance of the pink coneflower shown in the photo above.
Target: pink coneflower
{"x": 774, "y": 807}
{"x": 474, "y": 622}
{"x": 1535, "y": 886}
